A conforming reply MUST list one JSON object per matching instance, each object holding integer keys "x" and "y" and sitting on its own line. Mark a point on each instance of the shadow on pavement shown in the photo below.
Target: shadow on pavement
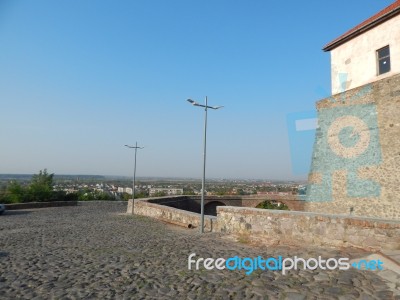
{"x": 16, "y": 212}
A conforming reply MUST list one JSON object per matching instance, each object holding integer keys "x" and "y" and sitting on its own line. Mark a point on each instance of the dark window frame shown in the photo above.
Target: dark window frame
{"x": 380, "y": 58}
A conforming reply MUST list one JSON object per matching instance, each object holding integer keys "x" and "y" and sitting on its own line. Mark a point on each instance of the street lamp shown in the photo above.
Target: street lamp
{"x": 204, "y": 157}
{"x": 134, "y": 175}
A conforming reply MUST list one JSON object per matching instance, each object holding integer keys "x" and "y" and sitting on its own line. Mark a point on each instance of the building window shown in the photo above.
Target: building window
{"x": 383, "y": 56}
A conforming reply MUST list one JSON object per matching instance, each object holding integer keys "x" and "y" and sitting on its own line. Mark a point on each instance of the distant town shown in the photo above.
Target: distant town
{"x": 94, "y": 187}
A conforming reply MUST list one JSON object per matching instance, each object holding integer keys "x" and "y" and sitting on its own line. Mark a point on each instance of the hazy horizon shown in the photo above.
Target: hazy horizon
{"x": 143, "y": 178}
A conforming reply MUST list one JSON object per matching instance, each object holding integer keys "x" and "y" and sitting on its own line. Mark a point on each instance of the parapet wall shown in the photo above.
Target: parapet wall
{"x": 172, "y": 215}
{"x": 272, "y": 227}
{"x": 193, "y": 203}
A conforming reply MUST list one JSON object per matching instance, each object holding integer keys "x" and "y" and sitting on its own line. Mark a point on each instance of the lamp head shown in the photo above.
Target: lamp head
{"x": 192, "y": 102}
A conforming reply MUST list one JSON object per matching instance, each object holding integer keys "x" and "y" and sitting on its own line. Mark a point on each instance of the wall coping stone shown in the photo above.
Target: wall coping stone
{"x": 168, "y": 208}
{"x": 32, "y": 205}
{"x": 305, "y": 213}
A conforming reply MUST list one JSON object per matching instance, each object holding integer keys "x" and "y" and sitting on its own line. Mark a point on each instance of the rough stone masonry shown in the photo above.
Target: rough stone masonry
{"x": 356, "y": 157}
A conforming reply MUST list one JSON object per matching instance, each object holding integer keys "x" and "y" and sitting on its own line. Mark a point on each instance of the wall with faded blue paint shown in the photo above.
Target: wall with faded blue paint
{"x": 356, "y": 155}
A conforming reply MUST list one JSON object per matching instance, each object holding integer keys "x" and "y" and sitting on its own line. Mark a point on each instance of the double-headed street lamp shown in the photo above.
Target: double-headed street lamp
{"x": 204, "y": 157}
{"x": 134, "y": 175}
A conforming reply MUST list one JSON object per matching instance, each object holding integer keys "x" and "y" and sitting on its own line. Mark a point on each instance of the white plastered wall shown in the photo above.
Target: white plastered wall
{"x": 357, "y": 57}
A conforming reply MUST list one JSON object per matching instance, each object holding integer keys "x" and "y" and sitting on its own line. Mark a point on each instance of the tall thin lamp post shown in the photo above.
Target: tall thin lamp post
{"x": 134, "y": 175}
{"x": 203, "y": 182}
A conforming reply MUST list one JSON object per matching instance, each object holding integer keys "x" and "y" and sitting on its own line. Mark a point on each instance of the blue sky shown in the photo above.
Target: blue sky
{"x": 79, "y": 79}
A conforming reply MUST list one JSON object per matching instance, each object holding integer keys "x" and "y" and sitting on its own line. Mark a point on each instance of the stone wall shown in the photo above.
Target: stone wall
{"x": 40, "y": 204}
{"x": 273, "y": 227}
{"x": 172, "y": 215}
{"x": 193, "y": 203}
{"x": 356, "y": 159}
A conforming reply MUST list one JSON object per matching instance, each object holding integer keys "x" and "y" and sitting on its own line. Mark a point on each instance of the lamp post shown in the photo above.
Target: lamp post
{"x": 134, "y": 175}
{"x": 203, "y": 182}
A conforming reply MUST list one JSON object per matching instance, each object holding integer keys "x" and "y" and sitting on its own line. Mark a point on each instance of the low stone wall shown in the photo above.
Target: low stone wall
{"x": 40, "y": 204}
{"x": 145, "y": 207}
{"x": 303, "y": 228}
{"x": 193, "y": 203}
{"x": 272, "y": 227}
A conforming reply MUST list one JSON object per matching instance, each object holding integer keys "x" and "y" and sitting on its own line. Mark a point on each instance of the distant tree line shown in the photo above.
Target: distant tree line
{"x": 272, "y": 205}
{"x": 40, "y": 189}
{"x": 138, "y": 194}
{"x": 87, "y": 195}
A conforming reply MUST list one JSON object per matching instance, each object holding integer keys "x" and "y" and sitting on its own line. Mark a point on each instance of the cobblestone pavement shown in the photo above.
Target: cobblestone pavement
{"x": 94, "y": 252}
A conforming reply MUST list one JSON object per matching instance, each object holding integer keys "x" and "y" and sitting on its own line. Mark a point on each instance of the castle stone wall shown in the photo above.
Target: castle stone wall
{"x": 356, "y": 160}
{"x": 276, "y": 227}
